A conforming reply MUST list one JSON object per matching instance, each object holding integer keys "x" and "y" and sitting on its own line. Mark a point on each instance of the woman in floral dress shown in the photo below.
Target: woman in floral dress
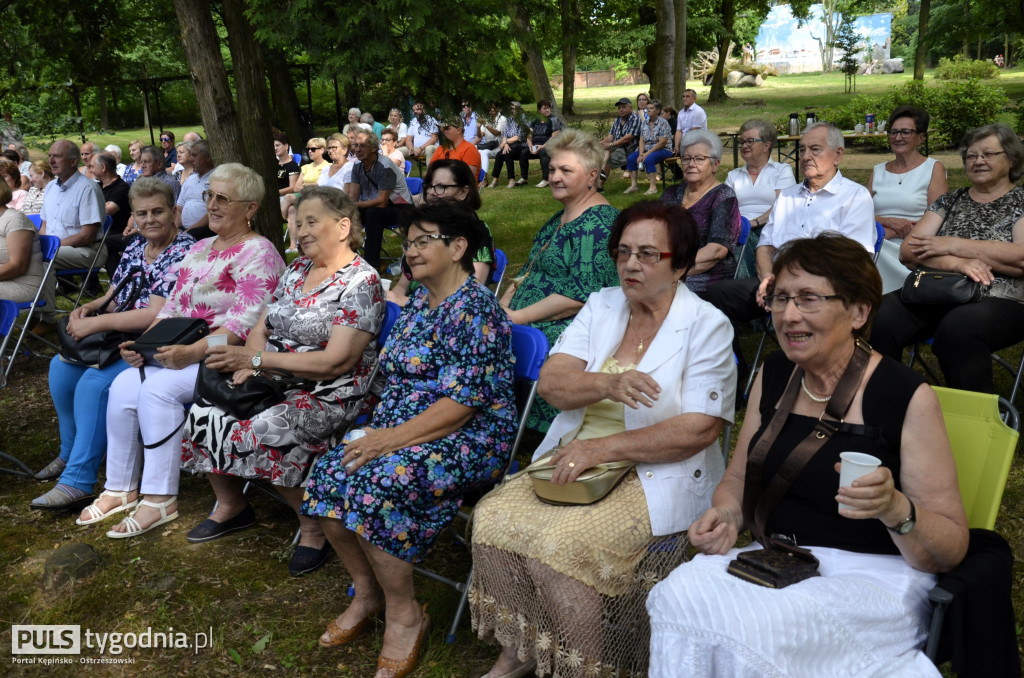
{"x": 443, "y": 428}
{"x": 569, "y": 259}
{"x": 321, "y": 324}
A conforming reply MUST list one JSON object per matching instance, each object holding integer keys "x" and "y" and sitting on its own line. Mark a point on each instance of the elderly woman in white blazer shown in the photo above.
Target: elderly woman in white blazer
{"x": 644, "y": 374}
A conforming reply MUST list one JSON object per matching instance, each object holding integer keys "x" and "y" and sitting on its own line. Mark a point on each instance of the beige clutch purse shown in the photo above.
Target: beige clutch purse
{"x": 591, "y": 486}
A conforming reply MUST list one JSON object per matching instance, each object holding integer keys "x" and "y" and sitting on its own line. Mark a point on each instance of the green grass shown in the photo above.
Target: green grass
{"x": 240, "y": 586}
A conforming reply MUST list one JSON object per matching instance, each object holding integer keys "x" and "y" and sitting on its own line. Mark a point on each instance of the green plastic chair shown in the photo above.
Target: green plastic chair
{"x": 983, "y": 447}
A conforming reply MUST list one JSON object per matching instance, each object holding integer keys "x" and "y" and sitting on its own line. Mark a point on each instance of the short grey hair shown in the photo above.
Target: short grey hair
{"x": 765, "y": 130}
{"x": 70, "y": 149}
{"x": 22, "y": 150}
{"x": 107, "y": 160}
{"x": 201, "y": 147}
{"x": 367, "y": 118}
{"x": 115, "y": 149}
{"x": 834, "y": 137}
{"x": 95, "y": 147}
{"x": 246, "y": 181}
{"x": 1009, "y": 142}
{"x": 148, "y": 187}
{"x": 355, "y": 110}
{"x": 702, "y": 136}
{"x": 371, "y": 138}
{"x": 338, "y": 202}
{"x": 186, "y": 144}
{"x": 154, "y": 153}
{"x": 584, "y": 145}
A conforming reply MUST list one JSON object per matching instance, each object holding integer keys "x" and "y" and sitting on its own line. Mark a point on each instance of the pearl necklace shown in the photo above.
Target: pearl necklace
{"x": 803, "y": 385}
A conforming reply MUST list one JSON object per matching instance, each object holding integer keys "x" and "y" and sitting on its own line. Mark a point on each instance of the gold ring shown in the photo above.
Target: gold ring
{"x": 572, "y": 464}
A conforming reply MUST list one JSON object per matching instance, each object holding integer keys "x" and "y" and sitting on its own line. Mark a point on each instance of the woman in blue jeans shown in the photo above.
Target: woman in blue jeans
{"x": 80, "y": 393}
{"x": 655, "y": 146}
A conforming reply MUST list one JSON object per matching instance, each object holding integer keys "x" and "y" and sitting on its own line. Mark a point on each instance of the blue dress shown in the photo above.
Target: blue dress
{"x": 400, "y": 502}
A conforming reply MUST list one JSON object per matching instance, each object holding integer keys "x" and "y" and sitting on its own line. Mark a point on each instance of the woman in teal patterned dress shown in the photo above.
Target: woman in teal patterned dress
{"x": 569, "y": 259}
{"x": 443, "y": 427}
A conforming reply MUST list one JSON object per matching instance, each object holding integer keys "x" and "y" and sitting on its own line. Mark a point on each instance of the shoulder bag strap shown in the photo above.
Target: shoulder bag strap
{"x": 836, "y": 409}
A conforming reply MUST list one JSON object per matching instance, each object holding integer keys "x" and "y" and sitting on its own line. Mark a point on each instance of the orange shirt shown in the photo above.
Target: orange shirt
{"x": 466, "y": 152}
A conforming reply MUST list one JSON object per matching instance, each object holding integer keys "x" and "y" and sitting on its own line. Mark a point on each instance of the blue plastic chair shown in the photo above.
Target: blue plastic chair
{"x": 297, "y": 158}
{"x": 36, "y": 219}
{"x": 408, "y": 168}
{"x": 498, "y": 269}
{"x": 415, "y": 185}
{"x": 879, "y": 239}
{"x": 530, "y": 348}
{"x": 48, "y": 245}
{"x": 742, "y": 242}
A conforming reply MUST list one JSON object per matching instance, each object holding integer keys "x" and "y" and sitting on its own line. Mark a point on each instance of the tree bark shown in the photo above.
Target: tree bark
{"x": 101, "y": 101}
{"x": 921, "y": 53}
{"x": 681, "y": 61}
{"x": 286, "y": 103}
{"x": 533, "y": 60}
{"x": 210, "y": 80}
{"x": 570, "y": 11}
{"x": 663, "y": 75}
{"x": 251, "y": 83}
{"x": 717, "y": 93}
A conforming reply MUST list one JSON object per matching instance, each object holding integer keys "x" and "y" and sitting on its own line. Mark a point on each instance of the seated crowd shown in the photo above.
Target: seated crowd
{"x": 641, "y": 309}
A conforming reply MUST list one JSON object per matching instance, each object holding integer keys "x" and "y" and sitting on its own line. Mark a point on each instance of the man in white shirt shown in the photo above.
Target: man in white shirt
{"x": 422, "y": 139}
{"x": 824, "y": 201}
{"x": 73, "y": 210}
{"x": 691, "y": 116}
{"x": 190, "y": 208}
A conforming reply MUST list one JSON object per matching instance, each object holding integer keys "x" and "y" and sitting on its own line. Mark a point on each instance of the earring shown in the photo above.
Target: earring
{"x": 248, "y": 224}
{"x": 590, "y": 187}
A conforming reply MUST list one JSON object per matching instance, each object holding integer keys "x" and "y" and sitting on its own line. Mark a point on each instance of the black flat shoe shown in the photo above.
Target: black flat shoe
{"x": 306, "y": 559}
{"x": 208, "y": 530}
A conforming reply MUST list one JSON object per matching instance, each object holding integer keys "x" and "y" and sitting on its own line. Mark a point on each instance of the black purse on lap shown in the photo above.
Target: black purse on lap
{"x": 101, "y": 349}
{"x": 169, "y": 332}
{"x": 266, "y": 388}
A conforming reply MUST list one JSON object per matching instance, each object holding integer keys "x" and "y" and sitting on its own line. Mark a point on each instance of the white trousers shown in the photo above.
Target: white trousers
{"x": 150, "y": 409}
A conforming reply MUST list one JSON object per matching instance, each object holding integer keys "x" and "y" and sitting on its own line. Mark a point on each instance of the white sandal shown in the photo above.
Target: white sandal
{"x": 96, "y": 514}
{"x": 135, "y": 529}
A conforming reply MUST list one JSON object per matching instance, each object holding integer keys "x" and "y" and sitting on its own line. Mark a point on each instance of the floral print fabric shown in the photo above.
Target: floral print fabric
{"x": 160, "y": 276}
{"x": 400, "y": 502}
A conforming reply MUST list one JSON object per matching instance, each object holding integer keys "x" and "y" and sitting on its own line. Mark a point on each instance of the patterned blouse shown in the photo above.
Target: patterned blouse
{"x": 33, "y": 202}
{"x": 717, "y": 215}
{"x": 160, "y": 276}
{"x": 962, "y": 217}
{"x": 651, "y": 136}
{"x": 226, "y": 288}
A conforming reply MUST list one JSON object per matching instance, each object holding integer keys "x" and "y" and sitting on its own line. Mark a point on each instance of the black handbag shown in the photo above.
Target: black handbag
{"x": 101, "y": 349}
{"x": 264, "y": 389}
{"x": 928, "y": 286}
{"x": 776, "y": 566}
{"x": 169, "y": 332}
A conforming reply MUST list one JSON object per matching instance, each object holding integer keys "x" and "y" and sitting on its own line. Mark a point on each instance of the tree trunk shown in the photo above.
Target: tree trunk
{"x": 286, "y": 103}
{"x": 101, "y": 101}
{"x": 210, "y": 80}
{"x": 717, "y": 93}
{"x": 250, "y": 80}
{"x": 680, "y": 62}
{"x": 663, "y": 80}
{"x": 921, "y": 53}
{"x": 533, "y": 60}
{"x": 966, "y": 23}
{"x": 570, "y": 10}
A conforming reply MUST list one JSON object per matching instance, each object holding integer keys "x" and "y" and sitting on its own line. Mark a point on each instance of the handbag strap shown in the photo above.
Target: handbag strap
{"x": 757, "y": 503}
{"x": 129, "y": 279}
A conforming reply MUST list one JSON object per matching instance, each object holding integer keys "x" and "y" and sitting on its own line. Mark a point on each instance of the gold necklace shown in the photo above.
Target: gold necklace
{"x": 694, "y": 201}
{"x": 640, "y": 346}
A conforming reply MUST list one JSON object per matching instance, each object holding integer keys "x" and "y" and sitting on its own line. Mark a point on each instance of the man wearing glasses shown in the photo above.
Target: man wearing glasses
{"x": 379, "y": 190}
{"x": 190, "y": 208}
{"x": 824, "y": 201}
{"x": 455, "y": 146}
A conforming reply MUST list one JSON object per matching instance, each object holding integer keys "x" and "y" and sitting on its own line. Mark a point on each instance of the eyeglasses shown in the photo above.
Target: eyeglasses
{"x": 902, "y": 132}
{"x": 695, "y": 159}
{"x": 421, "y": 242}
{"x": 750, "y": 142}
{"x": 310, "y": 150}
{"x": 165, "y": 138}
{"x": 808, "y": 303}
{"x": 646, "y": 257}
{"x": 985, "y": 155}
{"x": 219, "y": 199}
{"x": 439, "y": 189}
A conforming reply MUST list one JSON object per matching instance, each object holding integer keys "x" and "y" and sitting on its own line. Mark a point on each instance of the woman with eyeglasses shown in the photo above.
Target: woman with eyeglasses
{"x": 389, "y": 146}
{"x": 977, "y": 231}
{"x": 309, "y": 174}
{"x": 150, "y": 267}
{"x": 655, "y": 146}
{"x": 903, "y": 188}
{"x": 226, "y": 281}
{"x": 339, "y": 172}
{"x": 758, "y": 183}
{"x": 321, "y": 324}
{"x": 449, "y": 181}
{"x": 878, "y": 541}
{"x": 644, "y": 375}
{"x": 712, "y": 205}
{"x": 443, "y": 428}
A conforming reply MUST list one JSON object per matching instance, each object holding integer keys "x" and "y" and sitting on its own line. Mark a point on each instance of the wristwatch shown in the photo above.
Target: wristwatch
{"x": 257, "y": 361}
{"x": 756, "y": 222}
{"x": 907, "y": 524}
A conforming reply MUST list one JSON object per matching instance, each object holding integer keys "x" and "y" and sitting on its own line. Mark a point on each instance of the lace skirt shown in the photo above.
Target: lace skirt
{"x": 566, "y": 585}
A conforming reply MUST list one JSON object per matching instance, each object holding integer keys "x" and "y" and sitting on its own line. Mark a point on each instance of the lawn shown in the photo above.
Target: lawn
{"x": 263, "y": 621}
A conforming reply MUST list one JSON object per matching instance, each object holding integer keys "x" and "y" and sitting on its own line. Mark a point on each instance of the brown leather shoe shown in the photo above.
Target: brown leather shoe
{"x": 337, "y": 636}
{"x": 403, "y": 667}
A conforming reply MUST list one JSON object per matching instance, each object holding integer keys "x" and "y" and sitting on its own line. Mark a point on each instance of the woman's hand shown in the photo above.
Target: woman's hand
{"x": 633, "y": 389}
{"x": 715, "y": 532}
{"x": 762, "y": 290}
{"x": 82, "y": 326}
{"x": 927, "y": 246}
{"x": 374, "y": 444}
{"x": 513, "y": 316}
{"x": 575, "y": 458}
{"x": 176, "y": 357}
{"x": 131, "y": 357}
{"x": 977, "y": 270}
{"x": 241, "y": 375}
{"x": 872, "y": 496}
{"x": 229, "y": 358}
{"x": 899, "y": 228}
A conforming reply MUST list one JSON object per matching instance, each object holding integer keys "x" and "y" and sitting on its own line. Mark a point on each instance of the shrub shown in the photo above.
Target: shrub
{"x": 962, "y": 68}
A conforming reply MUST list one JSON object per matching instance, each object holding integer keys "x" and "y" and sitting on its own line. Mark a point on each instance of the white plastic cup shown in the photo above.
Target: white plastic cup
{"x": 386, "y": 284}
{"x": 854, "y": 465}
{"x": 217, "y": 340}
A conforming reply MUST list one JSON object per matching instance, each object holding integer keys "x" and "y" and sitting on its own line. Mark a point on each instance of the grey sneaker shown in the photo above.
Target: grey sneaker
{"x": 542, "y": 184}
{"x": 52, "y": 470}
